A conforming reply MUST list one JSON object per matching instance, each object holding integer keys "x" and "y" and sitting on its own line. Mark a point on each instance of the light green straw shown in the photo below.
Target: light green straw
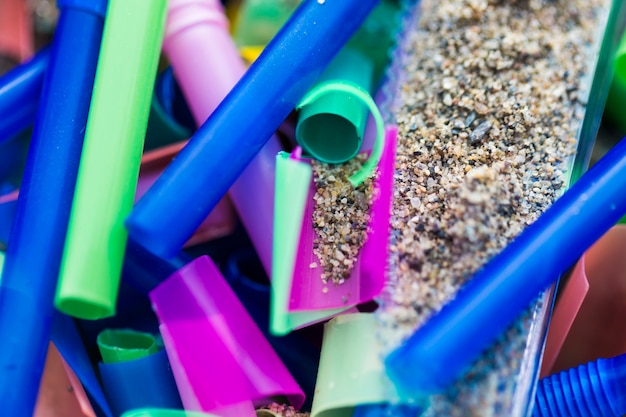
{"x": 109, "y": 166}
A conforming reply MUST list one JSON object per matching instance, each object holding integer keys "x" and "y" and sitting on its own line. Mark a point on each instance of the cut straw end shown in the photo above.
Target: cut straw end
{"x": 332, "y": 120}
{"x": 120, "y": 345}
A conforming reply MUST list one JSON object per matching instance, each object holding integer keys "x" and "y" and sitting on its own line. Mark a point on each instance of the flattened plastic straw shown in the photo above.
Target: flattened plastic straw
{"x": 351, "y": 370}
{"x": 20, "y": 89}
{"x": 146, "y": 381}
{"x": 292, "y": 180}
{"x": 219, "y": 357}
{"x": 37, "y": 236}
{"x": 109, "y": 165}
{"x": 121, "y": 345}
{"x": 298, "y": 286}
{"x": 433, "y": 357}
{"x": 235, "y": 132}
{"x": 330, "y": 127}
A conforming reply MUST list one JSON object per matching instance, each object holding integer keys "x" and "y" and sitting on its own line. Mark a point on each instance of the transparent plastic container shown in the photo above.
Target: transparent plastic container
{"x": 523, "y": 378}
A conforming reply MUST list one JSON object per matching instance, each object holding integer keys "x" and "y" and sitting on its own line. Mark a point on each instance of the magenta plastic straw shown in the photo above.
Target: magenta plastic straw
{"x": 368, "y": 276}
{"x": 218, "y": 355}
{"x": 207, "y": 65}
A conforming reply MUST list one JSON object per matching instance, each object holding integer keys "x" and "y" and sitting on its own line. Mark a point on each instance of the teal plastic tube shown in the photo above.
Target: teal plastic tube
{"x": 330, "y": 128}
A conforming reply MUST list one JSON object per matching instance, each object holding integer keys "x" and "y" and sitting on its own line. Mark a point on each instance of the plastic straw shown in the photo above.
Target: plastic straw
{"x": 109, "y": 165}
{"x": 38, "y": 232}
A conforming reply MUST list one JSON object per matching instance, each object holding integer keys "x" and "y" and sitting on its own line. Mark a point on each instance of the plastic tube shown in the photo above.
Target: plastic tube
{"x": 596, "y": 388}
{"x": 36, "y": 241}
{"x": 330, "y": 128}
{"x": 109, "y": 165}
{"x": 142, "y": 382}
{"x": 236, "y": 131}
{"x": 122, "y": 345}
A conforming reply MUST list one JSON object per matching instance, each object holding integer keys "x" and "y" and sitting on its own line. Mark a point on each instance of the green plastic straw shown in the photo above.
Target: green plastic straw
{"x": 109, "y": 166}
{"x": 121, "y": 345}
{"x": 370, "y": 165}
{"x": 293, "y": 179}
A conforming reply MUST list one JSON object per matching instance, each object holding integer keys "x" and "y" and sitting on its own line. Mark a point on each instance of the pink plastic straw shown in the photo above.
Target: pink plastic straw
{"x": 219, "y": 356}
{"x": 368, "y": 276}
{"x": 207, "y": 65}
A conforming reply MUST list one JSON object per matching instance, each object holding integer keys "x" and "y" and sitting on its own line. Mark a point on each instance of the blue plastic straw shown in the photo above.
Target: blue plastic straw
{"x": 139, "y": 383}
{"x": 143, "y": 270}
{"x": 20, "y": 89}
{"x": 597, "y": 388}
{"x": 439, "y": 352}
{"x": 37, "y": 237}
{"x": 220, "y": 150}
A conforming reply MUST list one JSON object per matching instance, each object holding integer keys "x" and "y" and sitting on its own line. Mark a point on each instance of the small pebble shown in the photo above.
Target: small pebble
{"x": 479, "y": 133}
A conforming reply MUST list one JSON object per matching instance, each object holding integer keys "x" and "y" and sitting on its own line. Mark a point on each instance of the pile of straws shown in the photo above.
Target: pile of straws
{"x": 73, "y": 230}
